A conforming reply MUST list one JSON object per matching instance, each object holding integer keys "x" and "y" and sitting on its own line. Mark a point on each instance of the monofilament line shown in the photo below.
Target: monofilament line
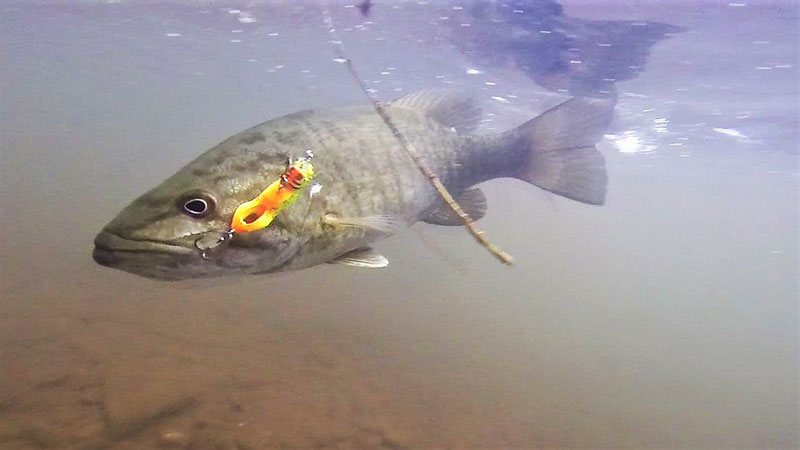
{"x": 479, "y": 235}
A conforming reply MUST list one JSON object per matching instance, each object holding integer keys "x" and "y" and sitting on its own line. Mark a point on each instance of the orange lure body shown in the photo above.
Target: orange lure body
{"x": 261, "y": 211}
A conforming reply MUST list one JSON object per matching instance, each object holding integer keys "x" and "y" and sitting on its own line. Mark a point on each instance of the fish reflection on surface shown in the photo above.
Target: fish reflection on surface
{"x": 582, "y": 57}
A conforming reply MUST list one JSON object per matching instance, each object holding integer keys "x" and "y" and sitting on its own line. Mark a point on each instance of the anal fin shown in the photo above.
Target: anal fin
{"x": 362, "y": 257}
{"x": 472, "y": 201}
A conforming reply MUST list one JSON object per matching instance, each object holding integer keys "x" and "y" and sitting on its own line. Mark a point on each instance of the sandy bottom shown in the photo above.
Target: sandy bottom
{"x": 444, "y": 349}
{"x": 237, "y": 374}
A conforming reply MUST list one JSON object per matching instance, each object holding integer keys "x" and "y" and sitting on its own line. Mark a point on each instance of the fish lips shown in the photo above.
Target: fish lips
{"x": 113, "y": 250}
{"x": 181, "y": 259}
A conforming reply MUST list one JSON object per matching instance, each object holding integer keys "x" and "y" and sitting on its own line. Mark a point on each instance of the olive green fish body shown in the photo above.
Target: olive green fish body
{"x": 364, "y": 172}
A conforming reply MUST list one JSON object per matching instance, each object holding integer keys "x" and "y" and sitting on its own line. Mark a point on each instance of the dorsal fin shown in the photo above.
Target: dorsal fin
{"x": 451, "y": 108}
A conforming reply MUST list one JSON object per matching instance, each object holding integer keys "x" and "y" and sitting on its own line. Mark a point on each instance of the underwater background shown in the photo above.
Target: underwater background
{"x": 667, "y": 318}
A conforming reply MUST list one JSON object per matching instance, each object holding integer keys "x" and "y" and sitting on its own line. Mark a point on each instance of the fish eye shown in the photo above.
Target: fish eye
{"x": 196, "y": 204}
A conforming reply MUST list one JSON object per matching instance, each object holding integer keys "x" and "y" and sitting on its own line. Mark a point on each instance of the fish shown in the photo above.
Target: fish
{"x": 371, "y": 186}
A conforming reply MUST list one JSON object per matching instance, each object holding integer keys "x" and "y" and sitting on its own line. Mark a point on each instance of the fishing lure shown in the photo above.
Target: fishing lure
{"x": 259, "y": 212}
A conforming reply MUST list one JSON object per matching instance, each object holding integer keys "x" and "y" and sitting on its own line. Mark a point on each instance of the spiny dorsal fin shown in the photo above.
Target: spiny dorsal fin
{"x": 362, "y": 257}
{"x": 472, "y": 201}
{"x": 451, "y": 108}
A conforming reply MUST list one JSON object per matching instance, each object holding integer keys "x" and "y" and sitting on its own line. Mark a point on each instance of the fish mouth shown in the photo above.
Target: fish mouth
{"x": 110, "y": 248}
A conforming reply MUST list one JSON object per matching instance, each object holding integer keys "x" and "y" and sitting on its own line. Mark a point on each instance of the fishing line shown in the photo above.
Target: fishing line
{"x": 343, "y": 57}
{"x": 442, "y": 253}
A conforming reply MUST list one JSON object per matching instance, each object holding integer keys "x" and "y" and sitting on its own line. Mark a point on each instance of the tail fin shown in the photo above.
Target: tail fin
{"x": 559, "y": 148}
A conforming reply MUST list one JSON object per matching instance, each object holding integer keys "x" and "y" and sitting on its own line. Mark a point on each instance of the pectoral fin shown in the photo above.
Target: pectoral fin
{"x": 362, "y": 257}
{"x": 384, "y": 224}
{"x": 472, "y": 201}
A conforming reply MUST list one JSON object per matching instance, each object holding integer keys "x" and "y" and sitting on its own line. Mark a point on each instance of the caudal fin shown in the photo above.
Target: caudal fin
{"x": 559, "y": 149}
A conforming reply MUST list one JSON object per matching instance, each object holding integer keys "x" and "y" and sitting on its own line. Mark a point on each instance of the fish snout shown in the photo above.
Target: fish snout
{"x": 103, "y": 253}
{"x": 113, "y": 250}
{"x": 103, "y": 256}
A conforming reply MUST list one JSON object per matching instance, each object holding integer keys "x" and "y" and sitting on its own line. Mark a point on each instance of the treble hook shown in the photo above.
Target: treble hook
{"x": 212, "y": 251}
